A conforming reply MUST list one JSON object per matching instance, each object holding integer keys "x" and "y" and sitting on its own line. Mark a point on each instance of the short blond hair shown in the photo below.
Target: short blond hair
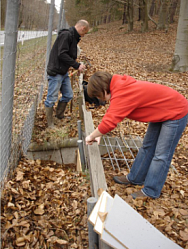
{"x": 83, "y": 23}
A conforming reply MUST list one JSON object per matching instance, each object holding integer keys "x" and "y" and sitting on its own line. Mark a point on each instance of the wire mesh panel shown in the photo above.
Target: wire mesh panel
{"x": 120, "y": 151}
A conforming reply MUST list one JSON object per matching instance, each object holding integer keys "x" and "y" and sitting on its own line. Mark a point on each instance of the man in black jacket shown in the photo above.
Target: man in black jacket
{"x": 63, "y": 56}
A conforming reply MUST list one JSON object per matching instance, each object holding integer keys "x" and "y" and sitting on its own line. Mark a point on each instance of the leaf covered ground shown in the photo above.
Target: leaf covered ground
{"x": 148, "y": 57}
{"x": 44, "y": 204}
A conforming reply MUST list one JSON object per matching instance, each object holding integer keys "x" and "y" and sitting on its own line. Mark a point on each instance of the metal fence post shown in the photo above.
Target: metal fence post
{"x": 79, "y": 124}
{"x": 93, "y": 236}
{"x": 50, "y": 28}
{"x": 8, "y": 80}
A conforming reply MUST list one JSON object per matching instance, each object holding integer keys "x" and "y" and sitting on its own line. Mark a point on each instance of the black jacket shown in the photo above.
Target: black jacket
{"x": 64, "y": 52}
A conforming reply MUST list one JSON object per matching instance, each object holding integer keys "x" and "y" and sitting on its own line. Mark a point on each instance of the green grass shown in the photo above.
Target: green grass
{"x": 29, "y": 52}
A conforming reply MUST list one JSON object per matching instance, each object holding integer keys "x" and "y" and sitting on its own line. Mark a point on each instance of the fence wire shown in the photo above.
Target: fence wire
{"x": 22, "y": 80}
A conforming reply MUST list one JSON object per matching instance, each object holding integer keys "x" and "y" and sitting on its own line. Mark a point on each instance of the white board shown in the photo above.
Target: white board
{"x": 132, "y": 230}
{"x": 105, "y": 236}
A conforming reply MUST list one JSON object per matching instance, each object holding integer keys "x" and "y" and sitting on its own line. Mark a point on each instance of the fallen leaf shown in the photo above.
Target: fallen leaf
{"x": 184, "y": 235}
{"x": 19, "y": 176}
{"x": 183, "y": 212}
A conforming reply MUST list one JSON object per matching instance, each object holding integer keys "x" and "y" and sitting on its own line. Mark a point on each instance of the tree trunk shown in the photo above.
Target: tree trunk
{"x": 180, "y": 59}
{"x": 144, "y": 15}
{"x": 140, "y": 12}
{"x": 3, "y": 12}
{"x": 124, "y": 15}
{"x": 172, "y": 10}
{"x": 105, "y": 18}
{"x": 109, "y": 18}
{"x": 158, "y": 7}
{"x": 130, "y": 14}
{"x": 163, "y": 15}
{"x": 152, "y": 8}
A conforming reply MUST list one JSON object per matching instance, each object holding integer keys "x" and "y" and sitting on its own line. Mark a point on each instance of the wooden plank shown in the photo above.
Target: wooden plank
{"x": 97, "y": 175}
{"x": 98, "y": 227}
{"x": 72, "y": 82}
{"x": 81, "y": 99}
{"x": 81, "y": 89}
{"x": 78, "y": 165}
{"x": 93, "y": 216}
{"x": 132, "y": 230}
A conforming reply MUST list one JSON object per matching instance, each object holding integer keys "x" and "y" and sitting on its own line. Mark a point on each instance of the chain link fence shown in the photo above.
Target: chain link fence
{"x": 24, "y": 56}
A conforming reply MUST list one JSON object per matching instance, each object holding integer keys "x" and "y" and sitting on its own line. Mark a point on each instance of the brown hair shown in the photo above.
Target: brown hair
{"x": 99, "y": 82}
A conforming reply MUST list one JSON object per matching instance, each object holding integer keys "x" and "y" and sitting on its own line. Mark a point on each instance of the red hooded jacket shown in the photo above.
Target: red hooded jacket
{"x": 141, "y": 101}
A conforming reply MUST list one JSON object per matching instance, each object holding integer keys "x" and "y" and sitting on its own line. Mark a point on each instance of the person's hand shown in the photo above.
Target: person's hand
{"x": 98, "y": 139}
{"x": 89, "y": 140}
{"x": 81, "y": 68}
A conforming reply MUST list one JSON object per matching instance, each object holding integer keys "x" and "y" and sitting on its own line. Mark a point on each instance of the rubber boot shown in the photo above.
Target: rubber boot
{"x": 60, "y": 109}
{"x": 49, "y": 116}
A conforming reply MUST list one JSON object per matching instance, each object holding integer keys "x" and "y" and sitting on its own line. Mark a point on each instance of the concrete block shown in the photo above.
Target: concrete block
{"x": 69, "y": 155}
{"x": 53, "y": 155}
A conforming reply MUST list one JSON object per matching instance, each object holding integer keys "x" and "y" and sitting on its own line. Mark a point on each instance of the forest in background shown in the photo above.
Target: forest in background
{"x": 34, "y": 14}
{"x": 97, "y": 12}
{"x": 149, "y": 14}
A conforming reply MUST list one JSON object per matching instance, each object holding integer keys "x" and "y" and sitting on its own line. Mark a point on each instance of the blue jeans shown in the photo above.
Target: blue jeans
{"x": 152, "y": 162}
{"x": 55, "y": 84}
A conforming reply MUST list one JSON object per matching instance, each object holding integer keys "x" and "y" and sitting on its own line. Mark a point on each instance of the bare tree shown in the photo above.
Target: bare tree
{"x": 130, "y": 14}
{"x": 124, "y": 14}
{"x": 33, "y": 14}
{"x": 129, "y": 10}
{"x": 152, "y": 8}
{"x": 163, "y": 14}
{"x": 73, "y": 12}
{"x": 3, "y": 11}
{"x": 180, "y": 59}
{"x": 172, "y": 10}
{"x": 143, "y": 7}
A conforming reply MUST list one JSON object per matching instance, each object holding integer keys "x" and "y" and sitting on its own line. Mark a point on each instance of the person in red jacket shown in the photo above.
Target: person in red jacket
{"x": 165, "y": 109}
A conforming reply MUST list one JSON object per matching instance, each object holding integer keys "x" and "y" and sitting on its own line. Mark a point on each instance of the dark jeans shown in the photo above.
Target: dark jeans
{"x": 152, "y": 163}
